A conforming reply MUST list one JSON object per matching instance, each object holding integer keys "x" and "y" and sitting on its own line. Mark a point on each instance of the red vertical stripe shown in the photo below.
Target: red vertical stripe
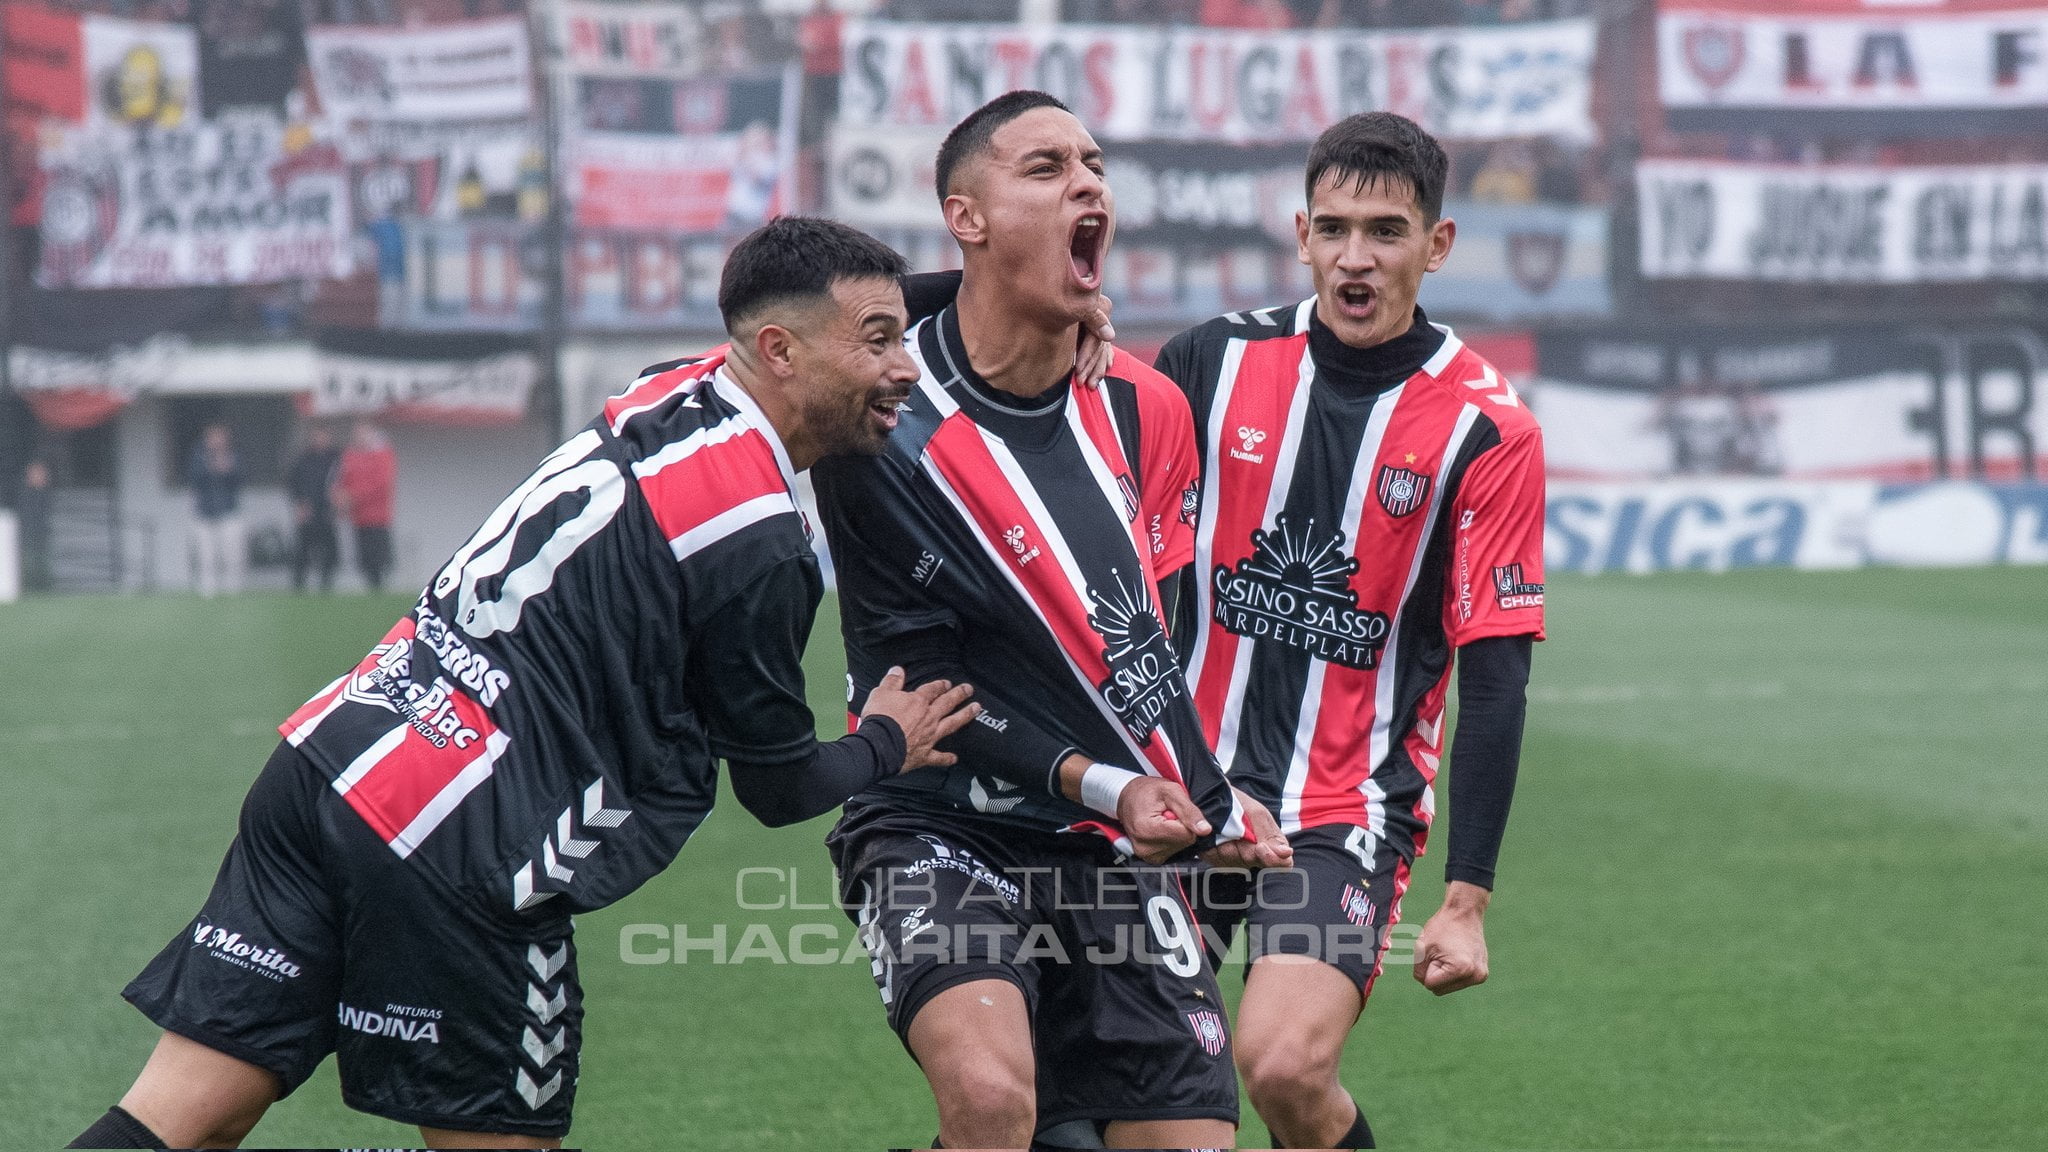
{"x": 392, "y": 794}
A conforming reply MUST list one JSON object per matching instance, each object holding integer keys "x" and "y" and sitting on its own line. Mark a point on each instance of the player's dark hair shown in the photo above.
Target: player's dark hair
{"x": 970, "y": 137}
{"x": 798, "y": 258}
{"x": 1381, "y": 146}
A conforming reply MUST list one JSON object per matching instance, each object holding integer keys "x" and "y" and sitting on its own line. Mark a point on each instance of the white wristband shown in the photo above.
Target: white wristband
{"x": 1103, "y": 784}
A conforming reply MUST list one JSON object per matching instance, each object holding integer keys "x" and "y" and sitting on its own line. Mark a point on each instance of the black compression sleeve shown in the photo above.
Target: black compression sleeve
{"x": 1493, "y": 678}
{"x": 1000, "y": 742}
{"x": 779, "y": 794}
{"x": 928, "y": 293}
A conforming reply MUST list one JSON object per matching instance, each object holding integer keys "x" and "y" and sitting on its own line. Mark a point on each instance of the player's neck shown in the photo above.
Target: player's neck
{"x": 788, "y": 426}
{"x": 1008, "y": 351}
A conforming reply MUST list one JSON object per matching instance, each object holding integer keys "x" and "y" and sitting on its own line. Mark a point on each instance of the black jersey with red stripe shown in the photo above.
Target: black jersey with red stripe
{"x": 1353, "y": 532}
{"x": 1017, "y": 545}
{"x": 543, "y": 723}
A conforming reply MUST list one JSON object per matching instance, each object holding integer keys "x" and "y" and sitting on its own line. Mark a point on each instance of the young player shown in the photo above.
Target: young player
{"x": 1015, "y": 532}
{"x": 539, "y": 736}
{"x": 1371, "y": 503}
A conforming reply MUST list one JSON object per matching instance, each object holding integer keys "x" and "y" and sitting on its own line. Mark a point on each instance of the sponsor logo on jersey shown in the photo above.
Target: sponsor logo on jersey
{"x": 1144, "y": 678}
{"x": 1512, "y": 592}
{"x": 230, "y": 946}
{"x": 1295, "y": 589}
{"x": 948, "y": 858}
{"x": 927, "y": 567}
{"x": 1208, "y": 1028}
{"x": 1400, "y": 490}
{"x": 1357, "y": 905}
{"x": 1251, "y": 438}
{"x": 462, "y": 663}
{"x": 1025, "y": 550}
{"x": 398, "y": 1022}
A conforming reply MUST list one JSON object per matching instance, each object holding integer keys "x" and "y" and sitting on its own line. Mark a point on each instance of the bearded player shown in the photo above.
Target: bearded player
{"x": 1371, "y": 504}
{"x": 1017, "y": 530}
{"x": 540, "y": 735}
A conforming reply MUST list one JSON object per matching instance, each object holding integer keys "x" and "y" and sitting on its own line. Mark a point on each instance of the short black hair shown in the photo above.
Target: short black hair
{"x": 1375, "y": 146}
{"x": 970, "y": 137}
{"x": 795, "y": 258}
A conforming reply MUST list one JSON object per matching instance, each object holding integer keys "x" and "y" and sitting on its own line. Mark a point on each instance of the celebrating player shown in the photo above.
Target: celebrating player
{"x": 1014, "y": 532}
{"x": 1371, "y": 501}
{"x": 539, "y": 736}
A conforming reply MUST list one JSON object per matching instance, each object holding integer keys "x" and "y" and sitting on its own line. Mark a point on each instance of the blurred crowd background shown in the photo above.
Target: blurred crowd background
{"x": 1793, "y": 253}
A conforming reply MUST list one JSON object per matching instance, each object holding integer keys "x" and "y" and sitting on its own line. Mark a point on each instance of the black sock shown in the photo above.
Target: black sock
{"x": 117, "y": 1129}
{"x": 1360, "y": 1135}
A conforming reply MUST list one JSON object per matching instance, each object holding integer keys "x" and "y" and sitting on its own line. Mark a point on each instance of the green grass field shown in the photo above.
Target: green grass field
{"x": 1776, "y": 879}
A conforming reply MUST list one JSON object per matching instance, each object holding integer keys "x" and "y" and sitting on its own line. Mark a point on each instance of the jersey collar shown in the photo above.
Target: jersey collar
{"x": 730, "y": 391}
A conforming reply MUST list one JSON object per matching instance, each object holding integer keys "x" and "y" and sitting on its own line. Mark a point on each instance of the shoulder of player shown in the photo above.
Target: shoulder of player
{"x": 1158, "y": 397}
{"x": 1468, "y": 377}
{"x": 1274, "y": 323}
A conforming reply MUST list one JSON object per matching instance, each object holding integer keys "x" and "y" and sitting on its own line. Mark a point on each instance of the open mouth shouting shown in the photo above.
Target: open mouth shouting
{"x": 1355, "y": 299}
{"x": 1085, "y": 248}
{"x": 885, "y": 408}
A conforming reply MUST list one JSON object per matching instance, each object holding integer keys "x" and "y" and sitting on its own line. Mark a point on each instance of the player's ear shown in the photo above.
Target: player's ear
{"x": 1301, "y": 237}
{"x": 964, "y": 219}
{"x": 776, "y": 347}
{"x": 1441, "y": 237}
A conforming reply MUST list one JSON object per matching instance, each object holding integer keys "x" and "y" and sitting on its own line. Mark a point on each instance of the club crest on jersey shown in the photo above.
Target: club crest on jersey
{"x": 1400, "y": 490}
{"x": 1026, "y": 552}
{"x": 1295, "y": 589}
{"x": 1357, "y": 905}
{"x": 1209, "y": 1033}
{"x": 1512, "y": 592}
{"x": 1251, "y": 438}
{"x": 1190, "y": 502}
{"x": 1144, "y": 678}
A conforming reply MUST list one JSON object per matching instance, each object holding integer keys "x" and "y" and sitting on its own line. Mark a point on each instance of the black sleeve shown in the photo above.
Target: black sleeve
{"x": 929, "y": 293}
{"x": 1493, "y": 678}
{"x": 779, "y": 794}
{"x": 1005, "y": 744}
{"x": 745, "y": 673}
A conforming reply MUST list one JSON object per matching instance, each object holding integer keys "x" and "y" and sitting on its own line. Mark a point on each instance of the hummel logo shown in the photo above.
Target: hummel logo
{"x": 1015, "y": 539}
{"x": 1251, "y": 438}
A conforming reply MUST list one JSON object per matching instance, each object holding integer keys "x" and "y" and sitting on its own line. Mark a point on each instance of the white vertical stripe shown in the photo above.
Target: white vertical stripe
{"x": 1205, "y": 524}
{"x": 1286, "y": 455}
{"x": 1436, "y": 364}
{"x": 1354, "y": 511}
{"x": 451, "y": 794}
{"x": 677, "y": 451}
{"x": 371, "y": 757}
{"x": 1383, "y": 689}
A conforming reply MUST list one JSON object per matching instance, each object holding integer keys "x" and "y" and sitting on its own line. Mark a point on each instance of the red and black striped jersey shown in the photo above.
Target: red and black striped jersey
{"x": 544, "y": 722}
{"x": 1361, "y": 516}
{"x": 1017, "y": 545}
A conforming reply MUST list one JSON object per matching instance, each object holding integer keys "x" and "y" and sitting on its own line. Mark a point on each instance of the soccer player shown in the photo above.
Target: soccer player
{"x": 539, "y": 736}
{"x": 1371, "y": 502}
{"x": 1015, "y": 532}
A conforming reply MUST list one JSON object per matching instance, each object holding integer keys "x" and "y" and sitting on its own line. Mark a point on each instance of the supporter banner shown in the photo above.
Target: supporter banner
{"x": 1135, "y": 82}
{"x": 885, "y": 179}
{"x": 45, "y": 52}
{"x": 492, "y": 390}
{"x": 140, "y": 71}
{"x": 1896, "y": 404}
{"x": 634, "y": 39}
{"x": 73, "y": 390}
{"x": 477, "y": 276}
{"x": 623, "y": 280}
{"x": 218, "y": 202}
{"x": 472, "y": 70}
{"x": 1715, "y": 220}
{"x": 1717, "y": 525}
{"x": 249, "y": 52}
{"x": 728, "y": 164}
{"x": 1522, "y": 262}
{"x": 447, "y": 171}
{"x": 1723, "y": 65}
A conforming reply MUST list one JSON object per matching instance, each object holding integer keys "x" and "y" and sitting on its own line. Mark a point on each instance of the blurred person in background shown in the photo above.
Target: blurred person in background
{"x": 310, "y": 484}
{"x": 365, "y": 490}
{"x": 215, "y": 475}
{"x": 32, "y": 508}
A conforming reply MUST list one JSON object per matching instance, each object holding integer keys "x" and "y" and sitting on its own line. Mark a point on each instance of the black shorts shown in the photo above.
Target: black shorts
{"x": 318, "y": 938}
{"x": 1337, "y": 903}
{"x": 1126, "y": 1015}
